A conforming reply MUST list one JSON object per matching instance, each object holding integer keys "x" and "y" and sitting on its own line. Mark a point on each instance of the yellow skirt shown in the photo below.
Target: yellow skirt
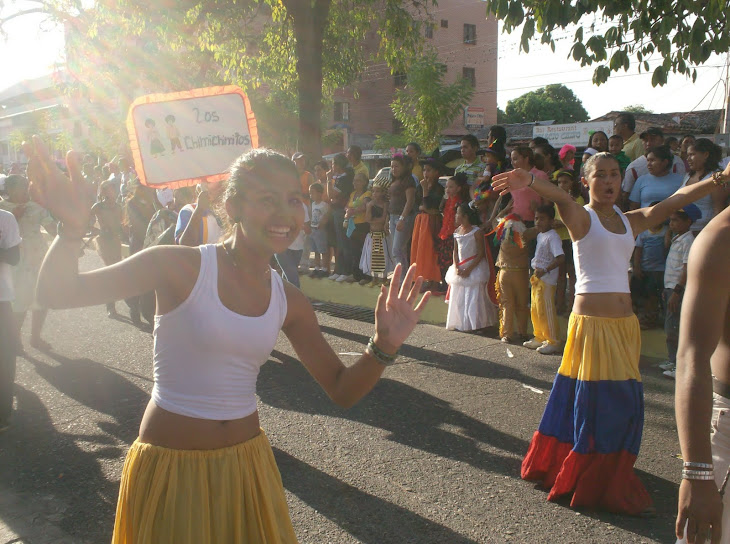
{"x": 231, "y": 495}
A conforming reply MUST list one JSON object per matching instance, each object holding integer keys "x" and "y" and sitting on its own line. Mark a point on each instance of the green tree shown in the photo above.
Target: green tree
{"x": 682, "y": 33}
{"x": 426, "y": 105}
{"x": 302, "y": 50}
{"x": 637, "y": 108}
{"x": 555, "y": 102}
{"x": 501, "y": 116}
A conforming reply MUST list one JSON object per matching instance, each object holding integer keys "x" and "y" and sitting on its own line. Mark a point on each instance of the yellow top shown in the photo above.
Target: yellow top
{"x": 634, "y": 147}
{"x": 418, "y": 171}
{"x": 362, "y": 168}
{"x": 355, "y": 202}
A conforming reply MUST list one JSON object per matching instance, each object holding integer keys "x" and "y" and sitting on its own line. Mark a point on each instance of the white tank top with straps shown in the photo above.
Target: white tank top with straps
{"x": 207, "y": 357}
{"x": 602, "y": 257}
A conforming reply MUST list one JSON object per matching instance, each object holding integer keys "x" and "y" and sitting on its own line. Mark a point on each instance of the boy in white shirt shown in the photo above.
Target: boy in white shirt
{"x": 675, "y": 278}
{"x": 548, "y": 258}
{"x": 318, "y": 238}
{"x": 9, "y": 257}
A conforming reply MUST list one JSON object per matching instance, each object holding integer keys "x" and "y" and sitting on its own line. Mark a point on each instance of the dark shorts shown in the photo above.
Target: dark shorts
{"x": 651, "y": 283}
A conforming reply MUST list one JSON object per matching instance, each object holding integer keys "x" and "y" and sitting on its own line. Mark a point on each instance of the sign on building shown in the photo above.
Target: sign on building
{"x": 183, "y": 138}
{"x": 576, "y": 134}
{"x": 473, "y": 117}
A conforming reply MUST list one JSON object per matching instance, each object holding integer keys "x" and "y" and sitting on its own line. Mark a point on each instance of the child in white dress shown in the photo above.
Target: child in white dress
{"x": 469, "y": 307}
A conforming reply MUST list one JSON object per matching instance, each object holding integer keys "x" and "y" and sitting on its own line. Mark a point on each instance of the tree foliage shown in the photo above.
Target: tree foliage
{"x": 285, "y": 53}
{"x": 681, "y": 33}
{"x": 636, "y": 108}
{"x": 555, "y": 102}
{"x": 427, "y": 105}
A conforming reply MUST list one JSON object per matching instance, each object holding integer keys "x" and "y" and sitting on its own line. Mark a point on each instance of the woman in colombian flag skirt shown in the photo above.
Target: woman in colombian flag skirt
{"x": 590, "y": 432}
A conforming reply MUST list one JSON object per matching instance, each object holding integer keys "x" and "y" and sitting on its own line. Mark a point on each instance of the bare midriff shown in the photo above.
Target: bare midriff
{"x": 603, "y": 305}
{"x": 163, "y": 428}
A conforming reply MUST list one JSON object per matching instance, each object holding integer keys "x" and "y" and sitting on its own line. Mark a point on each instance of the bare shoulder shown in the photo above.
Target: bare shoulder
{"x": 710, "y": 248}
{"x": 173, "y": 260}
{"x": 298, "y": 305}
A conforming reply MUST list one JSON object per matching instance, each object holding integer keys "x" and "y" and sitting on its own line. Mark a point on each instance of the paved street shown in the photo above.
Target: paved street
{"x": 432, "y": 455}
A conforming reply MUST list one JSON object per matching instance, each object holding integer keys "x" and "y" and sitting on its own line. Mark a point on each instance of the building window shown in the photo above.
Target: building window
{"x": 400, "y": 79}
{"x": 470, "y": 75}
{"x": 444, "y": 23}
{"x": 342, "y": 111}
{"x": 470, "y": 33}
{"x": 429, "y": 30}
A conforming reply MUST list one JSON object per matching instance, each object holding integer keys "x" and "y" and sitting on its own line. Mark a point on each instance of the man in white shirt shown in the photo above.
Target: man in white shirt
{"x": 652, "y": 137}
{"x": 9, "y": 257}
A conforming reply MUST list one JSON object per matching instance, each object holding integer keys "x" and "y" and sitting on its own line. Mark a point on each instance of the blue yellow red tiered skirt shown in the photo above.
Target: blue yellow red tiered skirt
{"x": 232, "y": 495}
{"x": 590, "y": 432}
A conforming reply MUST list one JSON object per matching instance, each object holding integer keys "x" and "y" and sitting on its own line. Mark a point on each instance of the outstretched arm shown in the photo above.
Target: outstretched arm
{"x": 644, "y": 218}
{"x": 705, "y": 313}
{"x": 574, "y": 216}
{"x": 396, "y": 315}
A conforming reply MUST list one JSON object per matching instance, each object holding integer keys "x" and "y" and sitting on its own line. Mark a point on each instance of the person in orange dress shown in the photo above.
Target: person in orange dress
{"x": 428, "y": 224}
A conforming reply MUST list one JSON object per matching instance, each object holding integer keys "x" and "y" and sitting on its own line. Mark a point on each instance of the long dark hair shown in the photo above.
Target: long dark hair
{"x": 714, "y": 153}
{"x": 471, "y": 214}
{"x": 462, "y": 181}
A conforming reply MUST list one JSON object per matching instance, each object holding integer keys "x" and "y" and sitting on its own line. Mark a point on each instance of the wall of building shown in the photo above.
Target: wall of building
{"x": 368, "y": 104}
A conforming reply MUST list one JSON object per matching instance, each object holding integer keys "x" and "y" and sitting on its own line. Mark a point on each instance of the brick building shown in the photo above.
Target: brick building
{"x": 466, "y": 42}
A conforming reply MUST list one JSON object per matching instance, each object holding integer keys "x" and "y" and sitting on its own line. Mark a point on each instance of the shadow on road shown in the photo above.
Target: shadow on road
{"x": 368, "y": 518}
{"x": 39, "y": 460}
{"x": 458, "y": 363}
{"x": 413, "y": 418}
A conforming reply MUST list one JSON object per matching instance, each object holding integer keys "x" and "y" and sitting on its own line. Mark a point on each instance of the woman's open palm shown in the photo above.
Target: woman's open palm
{"x": 396, "y": 313}
{"x": 66, "y": 199}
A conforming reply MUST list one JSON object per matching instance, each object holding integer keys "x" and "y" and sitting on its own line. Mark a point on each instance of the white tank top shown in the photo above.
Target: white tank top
{"x": 602, "y": 258}
{"x": 207, "y": 357}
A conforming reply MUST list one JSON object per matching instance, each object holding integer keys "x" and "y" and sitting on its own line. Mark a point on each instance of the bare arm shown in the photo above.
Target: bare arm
{"x": 60, "y": 285}
{"x": 643, "y": 218}
{"x": 574, "y": 216}
{"x": 410, "y": 200}
{"x": 395, "y": 318}
{"x": 704, "y": 315}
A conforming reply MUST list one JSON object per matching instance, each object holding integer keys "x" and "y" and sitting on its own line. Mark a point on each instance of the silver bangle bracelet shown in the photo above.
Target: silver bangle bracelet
{"x": 691, "y": 465}
{"x": 698, "y": 475}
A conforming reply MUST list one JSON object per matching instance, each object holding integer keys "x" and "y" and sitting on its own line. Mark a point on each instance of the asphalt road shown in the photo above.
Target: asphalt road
{"x": 432, "y": 455}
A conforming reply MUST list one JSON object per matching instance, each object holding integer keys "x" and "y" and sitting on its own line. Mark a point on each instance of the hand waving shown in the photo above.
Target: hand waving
{"x": 395, "y": 314}
{"x": 65, "y": 198}
{"x": 511, "y": 181}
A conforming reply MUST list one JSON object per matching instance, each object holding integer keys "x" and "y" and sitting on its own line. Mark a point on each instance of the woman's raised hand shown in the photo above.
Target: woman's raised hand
{"x": 65, "y": 198}
{"x": 396, "y": 313}
{"x": 511, "y": 181}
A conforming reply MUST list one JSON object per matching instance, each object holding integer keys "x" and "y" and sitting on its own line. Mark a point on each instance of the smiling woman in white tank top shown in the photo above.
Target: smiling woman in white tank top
{"x": 202, "y": 470}
{"x": 590, "y": 432}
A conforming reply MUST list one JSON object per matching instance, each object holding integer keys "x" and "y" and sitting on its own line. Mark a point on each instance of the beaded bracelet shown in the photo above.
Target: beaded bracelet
{"x": 718, "y": 178}
{"x": 690, "y": 464}
{"x": 379, "y": 355}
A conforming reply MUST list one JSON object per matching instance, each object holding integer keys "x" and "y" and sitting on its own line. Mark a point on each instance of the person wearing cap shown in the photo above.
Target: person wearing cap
{"x": 625, "y": 126}
{"x": 429, "y": 195}
{"x": 651, "y": 137}
{"x": 675, "y": 277}
{"x": 354, "y": 156}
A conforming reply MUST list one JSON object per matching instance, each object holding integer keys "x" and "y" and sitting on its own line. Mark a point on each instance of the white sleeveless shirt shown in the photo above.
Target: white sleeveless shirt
{"x": 207, "y": 357}
{"x": 602, "y": 257}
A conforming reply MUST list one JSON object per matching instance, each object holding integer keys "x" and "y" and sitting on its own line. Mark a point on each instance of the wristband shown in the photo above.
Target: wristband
{"x": 379, "y": 355}
{"x": 698, "y": 475}
{"x": 401, "y": 218}
{"x": 532, "y": 180}
{"x": 690, "y": 465}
